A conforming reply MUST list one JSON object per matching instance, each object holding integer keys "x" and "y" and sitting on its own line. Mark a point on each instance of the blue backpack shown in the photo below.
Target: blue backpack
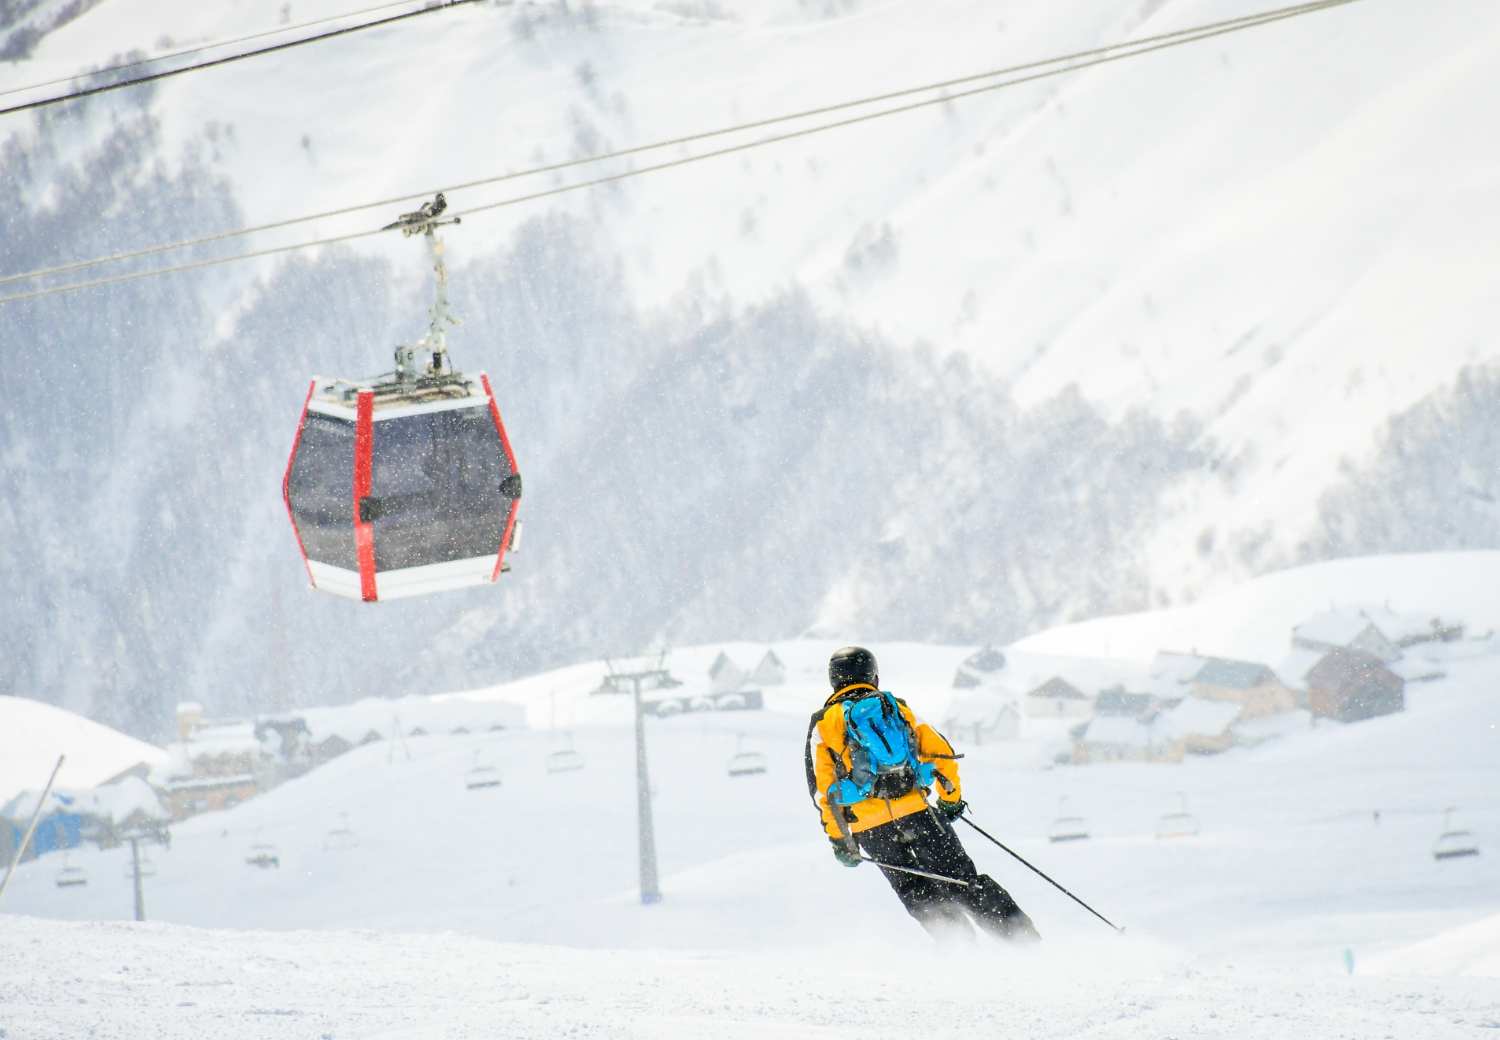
{"x": 882, "y": 752}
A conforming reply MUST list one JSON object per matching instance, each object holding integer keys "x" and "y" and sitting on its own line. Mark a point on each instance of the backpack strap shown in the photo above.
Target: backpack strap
{"x": 839, "y": 768}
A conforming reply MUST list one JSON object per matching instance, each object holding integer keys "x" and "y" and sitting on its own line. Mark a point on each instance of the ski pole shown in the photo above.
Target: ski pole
{"x": 914, "y": 870}
{"x": 1020, "y": 859}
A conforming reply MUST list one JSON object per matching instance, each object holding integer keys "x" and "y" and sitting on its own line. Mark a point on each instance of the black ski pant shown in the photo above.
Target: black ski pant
{"x": 925, "y": 842}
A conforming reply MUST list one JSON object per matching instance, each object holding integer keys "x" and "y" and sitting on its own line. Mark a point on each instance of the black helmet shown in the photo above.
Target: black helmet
{"x": 852, "y": 664}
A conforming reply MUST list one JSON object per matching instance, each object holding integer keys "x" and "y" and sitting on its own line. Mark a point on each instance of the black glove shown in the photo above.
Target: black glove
{"x": 849, "y": 857}
{"x": 950, "y": 811}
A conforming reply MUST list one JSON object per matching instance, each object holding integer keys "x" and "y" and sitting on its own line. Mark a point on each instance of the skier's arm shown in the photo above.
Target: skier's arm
{"x": 933, "y": 747}
{"x": 828, "y": 742}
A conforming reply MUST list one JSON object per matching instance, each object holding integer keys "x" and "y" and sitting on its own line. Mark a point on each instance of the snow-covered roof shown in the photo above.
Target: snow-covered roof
{"x": 985, "y": 659}
{"x": 1058, "y": 688}
{"x": 1170, "y": 666}
{"x": 114, "y": 802}
{"x": 1293, "y": 669}
{"x": 1233, "y": 675}
{"x": 33, "y": 734}
{"x": 1120, "y": 701}
{"x": 1117, "y": 731}
{"x": 1337, "y": 627}
{"x": 1408, "y": 625}
{"x": 1198, "y": 717}
{"x": 229, "y": 738}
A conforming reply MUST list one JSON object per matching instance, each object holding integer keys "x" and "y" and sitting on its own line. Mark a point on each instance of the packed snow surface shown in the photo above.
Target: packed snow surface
{"x": 513, "y": 911}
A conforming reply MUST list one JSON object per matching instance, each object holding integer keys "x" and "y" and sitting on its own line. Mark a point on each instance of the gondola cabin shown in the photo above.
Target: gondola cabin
{"x": 402, "y": 487}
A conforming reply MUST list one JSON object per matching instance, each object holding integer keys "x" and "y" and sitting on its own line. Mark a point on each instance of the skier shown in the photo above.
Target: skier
{"x": 870, "y": 766}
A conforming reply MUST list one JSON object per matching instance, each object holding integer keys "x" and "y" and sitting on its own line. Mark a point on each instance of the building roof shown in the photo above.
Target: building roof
{"x": 1117, "y": 731}
{"x": 987, "y": 659}
{"x": 1233, "y": 675}
{"x": 1119, "y": 701}
{"x": 115, "y": 802}
{"x": 1058, "y": 688}
{"x": 1198, "y": 717}
{"x": 1293, "y": 669}
{"x": 1171, "y": 666}
{"x": 34, "y": 734}
{"x": 1338, "y": 627}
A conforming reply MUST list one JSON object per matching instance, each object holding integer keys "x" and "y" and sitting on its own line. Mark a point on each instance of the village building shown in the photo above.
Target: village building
{"x": 983, "y": 718}
{"x": 1253, "y": 686}
{"x": 1120, "y": 702}
{"x": 1344, "y": 629}
{"x": 1122, "y": 738}
{"x": 1200, "y": 726}
{"x": 1350, "y": 685}
{"x": 724, "y": 676}
{"x": 1170, "y": 668}
{"x": 1409, "y": 628}
{"x": 984, "y": 667}
{"x": 69, "y": 818}
{"x": 1058, "y": 699}
{"x": 770, "y": 672}
{"x": 214, "y": 764}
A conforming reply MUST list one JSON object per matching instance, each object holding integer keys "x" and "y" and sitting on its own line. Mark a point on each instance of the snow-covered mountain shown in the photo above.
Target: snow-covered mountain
{"x": 1096, "y": 343}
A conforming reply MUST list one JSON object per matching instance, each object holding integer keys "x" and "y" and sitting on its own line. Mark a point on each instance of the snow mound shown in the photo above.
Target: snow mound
{"x": 33, "y": 734}
{"x": 1473, "y": 950}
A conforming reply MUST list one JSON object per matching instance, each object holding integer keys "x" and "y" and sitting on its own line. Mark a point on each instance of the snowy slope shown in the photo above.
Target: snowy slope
{"x": 1239, "y": 932}
{"x": 1254, "y": 619}
{"x": 158, "y": 982}
{"x": 33, "y": 734}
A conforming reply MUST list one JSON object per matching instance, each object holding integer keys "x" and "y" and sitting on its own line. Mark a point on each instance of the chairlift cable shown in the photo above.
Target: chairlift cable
{"x": 206, "y": 47}
{"x": 102, "y": 88}
{"x": 1245, "y": 21}
{"x": 1203, "y": 33}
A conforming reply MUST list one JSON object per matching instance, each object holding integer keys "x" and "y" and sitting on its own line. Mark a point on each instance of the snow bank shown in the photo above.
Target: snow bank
{"x": 1473, "y": 949}
{"x": 33, "y": 734}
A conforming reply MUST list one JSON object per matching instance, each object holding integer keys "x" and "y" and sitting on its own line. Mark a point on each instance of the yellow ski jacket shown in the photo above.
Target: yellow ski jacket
{"x": 828, "y": 759}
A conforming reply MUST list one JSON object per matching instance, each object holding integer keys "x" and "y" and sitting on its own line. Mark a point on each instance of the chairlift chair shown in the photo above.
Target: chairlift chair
{"x": 71, "y": 877}
{"x": 565, "y": 760}
{"x": 1454, "y": 842}
{"x": 1179, "y": 824}
{"x": 746, "y": 763}
{"x": 405, "y": 483}
{"x": 264, "y": 856}
{"x": 341, "y": 838}
{"x": 481, "y": 776}
{"x": 1066, "y": 827}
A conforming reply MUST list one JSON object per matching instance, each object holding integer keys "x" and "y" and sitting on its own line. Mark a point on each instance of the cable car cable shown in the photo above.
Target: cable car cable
{"x": 686, "y": 160}
{"x": 206, "y": 47}
{"x": 1244, "y": 21}
{"x": 442, "y": 5}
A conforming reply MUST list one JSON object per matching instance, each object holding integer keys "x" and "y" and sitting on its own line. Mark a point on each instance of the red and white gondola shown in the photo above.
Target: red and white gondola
{"x": 405, "y": 484}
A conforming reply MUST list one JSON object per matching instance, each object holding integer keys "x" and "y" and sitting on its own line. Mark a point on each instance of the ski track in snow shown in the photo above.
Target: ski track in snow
{"x": 123, "y": 981}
